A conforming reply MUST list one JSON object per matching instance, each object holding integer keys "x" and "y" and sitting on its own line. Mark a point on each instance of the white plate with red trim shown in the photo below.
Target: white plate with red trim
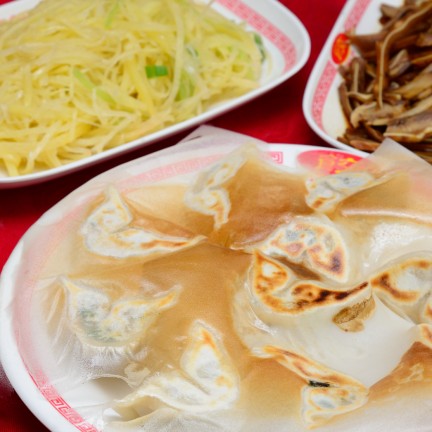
{"x": 27, "y": 364}
{"x": 285, "y": 39}
{"x": 321, "y": 105}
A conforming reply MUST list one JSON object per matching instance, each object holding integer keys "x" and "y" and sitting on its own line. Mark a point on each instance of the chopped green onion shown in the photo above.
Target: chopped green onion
{"x": 102, "y": 94}
{"x": 260, "y": 44}
{"x": 187, "y": 86}
{"x": 89, "y": 84}
{"x": 155, "y": 71}
{"x": 112, "y": 14}
{"x": 192, "y": 51}
{"x": 83, "y": 79}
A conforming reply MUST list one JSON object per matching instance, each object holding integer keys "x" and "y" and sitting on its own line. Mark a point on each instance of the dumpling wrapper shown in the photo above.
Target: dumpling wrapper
{"x": 350, "y": 331}
{"x": 325, "y": 193}
{"x": 390, "y": 183}
{"x": 383, "y": 201}
{"x": 340, "y": 342}
{"x": 172, "y": 420}
{"x": 208, "y": 195}
{"x": 405, "y": 286}
{"x": 327, "y": 394}
{"x": 107, "y": 231}
{"x": 247, "y": 183}
{"x": 206, "y": 380}
{"x": 315, "y": 243}
{"x": 99, "y": 321}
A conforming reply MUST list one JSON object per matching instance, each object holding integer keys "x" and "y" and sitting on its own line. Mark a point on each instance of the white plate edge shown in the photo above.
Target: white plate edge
{"x": 316, "y": 73}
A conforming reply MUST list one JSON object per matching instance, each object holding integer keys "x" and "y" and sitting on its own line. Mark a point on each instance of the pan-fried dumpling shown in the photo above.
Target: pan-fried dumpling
{"x": 314, "y": 242}
{"x": 325, "y": 193}
{"x": 347, "y": 338}
{"x": 402, "y": 189}
{"x": 406, "y": 287}
{"x": 383, "y": 202}
{"x": 107, "y": 231}
{"x": 425, "y": 334}
{"x": 206, "y": 380}
{"x": 348, "y": 332}
{"x": 277, "y": 289}
{"x": 327, "y": 393}
{"x": 99, "y": 321}
{"x": 105, "y": 325}
{"x": 391, "y": 183}
{"x": 208, "y": 195}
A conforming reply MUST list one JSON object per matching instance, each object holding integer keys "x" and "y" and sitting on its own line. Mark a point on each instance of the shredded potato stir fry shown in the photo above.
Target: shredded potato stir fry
{"x": 78, "y": 77}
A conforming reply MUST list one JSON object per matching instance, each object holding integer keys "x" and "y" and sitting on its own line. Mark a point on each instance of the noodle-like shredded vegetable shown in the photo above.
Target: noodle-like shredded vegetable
{"x": 78, "y": 77}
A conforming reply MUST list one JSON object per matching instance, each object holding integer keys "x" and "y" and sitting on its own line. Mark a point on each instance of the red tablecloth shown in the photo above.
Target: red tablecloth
{"x": 275, "y": 117}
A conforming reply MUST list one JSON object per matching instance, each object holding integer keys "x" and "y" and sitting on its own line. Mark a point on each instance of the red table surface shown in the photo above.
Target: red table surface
{"x": 276, "y": 117}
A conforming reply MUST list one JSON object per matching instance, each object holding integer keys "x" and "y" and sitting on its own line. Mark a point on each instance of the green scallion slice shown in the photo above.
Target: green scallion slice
{"x": 260, "y": 44}
{"x": 155, "y": 71}
{"x": 85, "y": 81}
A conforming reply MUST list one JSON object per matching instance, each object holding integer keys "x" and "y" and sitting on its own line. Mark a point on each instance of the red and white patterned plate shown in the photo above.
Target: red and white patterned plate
{"x": 321, "y": 105}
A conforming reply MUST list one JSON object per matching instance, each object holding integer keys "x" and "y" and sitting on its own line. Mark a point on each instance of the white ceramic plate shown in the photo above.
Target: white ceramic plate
{"x": 284, "y": 36}
{"x": 321, "y": 105}
{"x": 25, "y": 362}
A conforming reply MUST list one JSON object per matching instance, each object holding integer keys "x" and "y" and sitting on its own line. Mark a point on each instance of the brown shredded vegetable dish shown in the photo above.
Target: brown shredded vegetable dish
{"x": 387, "y": 89}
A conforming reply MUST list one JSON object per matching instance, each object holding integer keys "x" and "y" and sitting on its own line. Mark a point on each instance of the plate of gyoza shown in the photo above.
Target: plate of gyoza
{"x": 226, "y": 284}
